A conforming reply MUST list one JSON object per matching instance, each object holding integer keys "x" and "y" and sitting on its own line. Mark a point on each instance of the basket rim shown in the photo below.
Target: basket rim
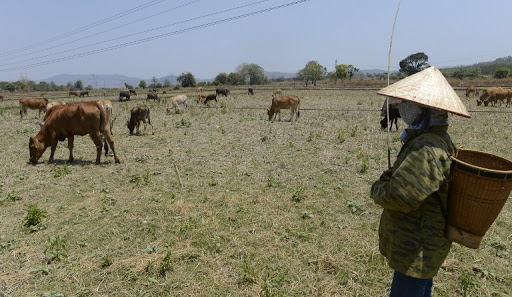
{"x": 478, "y": 167}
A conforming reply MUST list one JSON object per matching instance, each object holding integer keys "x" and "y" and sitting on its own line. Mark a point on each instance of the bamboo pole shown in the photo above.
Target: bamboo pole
{"x": 387, "y": 98}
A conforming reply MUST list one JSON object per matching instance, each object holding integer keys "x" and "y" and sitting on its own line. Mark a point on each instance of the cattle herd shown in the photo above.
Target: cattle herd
{"x": 65, "y": 120}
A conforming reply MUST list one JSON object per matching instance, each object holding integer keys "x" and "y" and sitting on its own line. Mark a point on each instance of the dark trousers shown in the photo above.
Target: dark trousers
{"x": 407, "y": 286}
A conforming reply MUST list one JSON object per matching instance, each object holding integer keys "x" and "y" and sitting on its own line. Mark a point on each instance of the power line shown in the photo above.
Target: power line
{"x": 131, "y": 43}
{"x": 92, "y": 25}
{"x": 89, "y": 36}
{"x": 137, "y": 33}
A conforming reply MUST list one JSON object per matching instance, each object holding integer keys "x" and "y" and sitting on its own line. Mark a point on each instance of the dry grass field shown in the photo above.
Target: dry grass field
{"x": 266, "y": 209}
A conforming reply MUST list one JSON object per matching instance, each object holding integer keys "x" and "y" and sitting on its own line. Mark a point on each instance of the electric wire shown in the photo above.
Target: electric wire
{"x": 92, "y": 25}
{"x": 137, "y": 33}
{"x": 155, "y": 37}
{"x": 89, "y": 36}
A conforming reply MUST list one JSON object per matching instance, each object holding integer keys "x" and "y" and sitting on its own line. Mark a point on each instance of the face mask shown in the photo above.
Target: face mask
{"x": 409, "y": 112}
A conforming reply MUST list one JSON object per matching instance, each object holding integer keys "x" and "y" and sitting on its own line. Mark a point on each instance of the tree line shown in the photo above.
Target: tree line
{"x": 253, "y": 74}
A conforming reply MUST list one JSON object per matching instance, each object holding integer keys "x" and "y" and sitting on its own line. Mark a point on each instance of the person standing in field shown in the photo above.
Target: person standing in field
{"x": 414, "y": 192}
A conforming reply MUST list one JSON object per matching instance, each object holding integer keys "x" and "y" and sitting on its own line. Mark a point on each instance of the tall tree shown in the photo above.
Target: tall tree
{"x": 221, "y": 79}
{"x": 313, "y": 72}
{"x": 343, "y": 72}
{"x": 142, "y": 84}
{"x": 414, "y": 63}
{"x": 234, "y": 78}
{"x": 79, "y": 85}
{"x": 187, "y": 79}
{"x": 252, "y": 72}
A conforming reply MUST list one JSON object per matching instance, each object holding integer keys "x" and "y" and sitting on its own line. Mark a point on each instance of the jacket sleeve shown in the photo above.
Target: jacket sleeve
{"x": 416, "y": 178}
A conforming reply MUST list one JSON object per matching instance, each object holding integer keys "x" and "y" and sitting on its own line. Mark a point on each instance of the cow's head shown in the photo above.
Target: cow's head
{"x": 131, "y": 126}
{"x": 270, "y": 114}
{"x": 36, "y": 149}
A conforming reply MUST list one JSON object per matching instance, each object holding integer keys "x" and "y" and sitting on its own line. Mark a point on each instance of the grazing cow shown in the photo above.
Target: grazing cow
{"x": 66, "y": 121}
{"x": 222, "y": 91}
{"x": 210, "y": 97}
{"x": 496, "y": 95}
{"x": 124, "y": 94}
{"x": 73, "y": 93}
{"x": 32, "y": 103}
{"x": 50, "y": 105}
{"x": 132, "y": 92}
{"x": 176, "y": 102}
{"x": 394, "y": 114}
{"x": 107, "y": 106}
{"x": 2, "y": 97}
{"x": 284, "y": 102}
{"x": 472, "y": 90}
{"x": 277, "y": 92}
{"x": 83, "y": 93}
{"x": 139, "y": 114}
{"x": 164, "y": 92}
{"x": 250, "y": 91}
{"x": 201, "y": 96}
{"x": 153, "y": 96}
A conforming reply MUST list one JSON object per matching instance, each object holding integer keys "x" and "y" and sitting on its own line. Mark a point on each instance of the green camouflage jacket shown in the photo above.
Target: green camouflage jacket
{"x": 412, "y": 225}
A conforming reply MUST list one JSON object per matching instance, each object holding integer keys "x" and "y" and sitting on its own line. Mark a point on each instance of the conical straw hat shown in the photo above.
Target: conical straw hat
{"x": 428, "y": 88}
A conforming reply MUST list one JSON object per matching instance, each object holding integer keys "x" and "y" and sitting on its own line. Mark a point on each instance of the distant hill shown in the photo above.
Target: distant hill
{"x": 274, "y": 75}
{"x": 482, "y": 68}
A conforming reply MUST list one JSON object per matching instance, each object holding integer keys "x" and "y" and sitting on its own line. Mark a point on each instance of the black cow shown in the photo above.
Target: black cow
{"x": 133, "y": 92}
{"x": 221, "y": 91}
{"x": 394, "y": 114}
{"x": 153, "y": 96}
{"x": 250, "y": 91}
{"x": 83, "y": 93}
{"x": 210, "y": 97}
{"x": 124, "y": 94}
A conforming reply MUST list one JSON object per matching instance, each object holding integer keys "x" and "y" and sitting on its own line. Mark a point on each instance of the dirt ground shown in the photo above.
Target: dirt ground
{"x": 266, "y": 208}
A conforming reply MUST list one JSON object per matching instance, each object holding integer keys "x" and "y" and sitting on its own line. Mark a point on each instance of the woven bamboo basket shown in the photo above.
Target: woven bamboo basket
{"x": 479, "y": 187}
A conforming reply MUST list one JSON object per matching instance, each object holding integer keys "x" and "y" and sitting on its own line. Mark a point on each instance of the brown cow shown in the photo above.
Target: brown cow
{"x": 284, "y": 102}
{"x": 107, "y": 105}
{"x": 472, "y": 90}
{"x": 153, "y": 96}
{"x": 73, "y": 93}
{"x": 201, "y": 96}
{"x": 66, "y": 121}
{"x": 496, "y": 95}
{"x": 139, "y": 114}
{"x": 32, "y": 103}
{"x": 277, "y": 92}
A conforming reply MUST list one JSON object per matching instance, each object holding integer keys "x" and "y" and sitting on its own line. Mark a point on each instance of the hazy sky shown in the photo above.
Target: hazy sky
{"x": 450, "y": 32}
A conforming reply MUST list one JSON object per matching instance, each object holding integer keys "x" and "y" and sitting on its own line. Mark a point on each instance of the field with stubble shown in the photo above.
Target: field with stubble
{"x": 266, "y": 209}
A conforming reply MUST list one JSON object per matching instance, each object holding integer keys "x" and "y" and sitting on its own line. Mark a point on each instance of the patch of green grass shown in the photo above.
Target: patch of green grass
{"x": 299, "y": 194}
{"x": 59, "y": 171}
{"x": 184, "y": 123}
{"x": 56, "y": 249}
{"x": 353, "y": 133}
{"x": 34, "y": 218}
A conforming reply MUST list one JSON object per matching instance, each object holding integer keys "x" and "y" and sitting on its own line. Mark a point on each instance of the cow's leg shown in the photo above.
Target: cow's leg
{"x": 108, "y": 138}
{"x": 53, "y": 147}
{"x": 279, "y": 112}
{"x": 97, "y": 141}
{"x": 71, "y": 140}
